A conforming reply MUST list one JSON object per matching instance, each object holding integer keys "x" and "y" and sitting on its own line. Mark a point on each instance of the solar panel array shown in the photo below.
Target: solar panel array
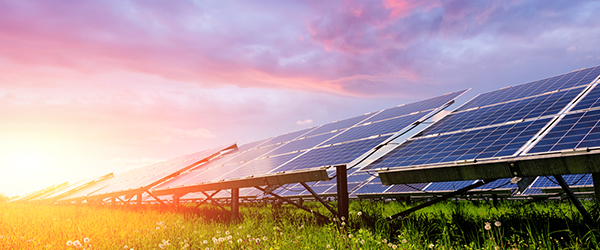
{"x": 334, "y": 143}
{"x": 549, "y": 115}
{"x": 503, "y": 123}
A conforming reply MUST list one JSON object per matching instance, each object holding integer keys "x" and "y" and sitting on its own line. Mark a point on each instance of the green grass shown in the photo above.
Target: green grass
{"x": 448, "y": 225}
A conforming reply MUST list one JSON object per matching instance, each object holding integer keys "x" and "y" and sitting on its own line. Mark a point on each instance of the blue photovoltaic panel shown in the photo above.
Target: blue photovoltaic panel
{"x": 333, "y": 155}
{"x": 572, "y": 180}
{"x": 376, "y": 128}
{"x": 251, "y": 154}
{"x": 549, "y": 104}
{"x": 289, "y": 190}
{"x": 250, "y": 145}
{"x": 578, "y": 130}
{"x": 407, "y": 188}
{"x": 564, "y": 81}
{"x": 230, "y": 171}
{"x": 147, "y": 176}
{"x": 287, "y": 137}
{"x": 338, "y": 125}
{"x": 319, "y": 189}
{"x": 428, "y": 104}
{"x": 202, "y": 175}
{"x": 358, "y": 177}
{"x": 591, "y": 100}
{"x": 503, "y": 183}
{"x": 300, "y": 144}
{"x": 475, "y": 144}
{"x": 532, "y": 191}
{"x": 260, "y": 166}
{"x": 371, "y": 188}
{"x": 448, "y": 186}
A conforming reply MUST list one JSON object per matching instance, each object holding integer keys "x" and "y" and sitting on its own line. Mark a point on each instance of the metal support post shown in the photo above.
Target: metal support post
{"x": 139, "y": 199}
{"x": 342, "y": 190}
{"x": 235, "y": 203}
{"x": 565, "y": 187}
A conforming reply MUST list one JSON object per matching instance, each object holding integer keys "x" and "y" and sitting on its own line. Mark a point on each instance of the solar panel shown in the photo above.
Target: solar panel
{"x": 332, "y": 155}
{"x": 578, "y": 130}
{"x": 329, "y": 127}
{"x": 564, "y": 81}
{"x": 496, "y": 124}
{"x": 532, "y": 107}
{"x": 502, "y": 183}
{"x": 407, "y": 188}
{"x": 543, "y": 183}
{"x": 448, "y": 186}
{"x": 420, "y": 106}
{"x": 153, "y": 174}
{"x": 499, "y": 141}
{"x": 385, "y": 127}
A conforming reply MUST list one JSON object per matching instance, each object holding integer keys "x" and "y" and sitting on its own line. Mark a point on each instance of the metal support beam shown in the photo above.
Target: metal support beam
{"x": 156, "y": 198}
{"x": 139, "y": 199}
{"x": 113, "y": 201}
{"x": 565, "y": 187}
{"x": 295, "y": 204}
{"x": 342, "y": 190}
{"x": 442, "y": 198}
{"x": 213, "y": 201}
{"x": 235, "y": 203}
{"x": 318, "y": 198}
{"x": 596, "y": 178}
{"x": 176, "y": 199}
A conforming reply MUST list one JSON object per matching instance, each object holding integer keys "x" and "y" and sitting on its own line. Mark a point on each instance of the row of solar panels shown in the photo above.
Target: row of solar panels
{"x": 548, "y": 115}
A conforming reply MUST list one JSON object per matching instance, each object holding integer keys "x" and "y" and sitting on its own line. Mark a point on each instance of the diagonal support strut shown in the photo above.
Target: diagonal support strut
{"x": 295, "y": 204}
{"x": 440, "y": 199}
{"x": 563, "y": 184}
{"x": 319, "y": 198}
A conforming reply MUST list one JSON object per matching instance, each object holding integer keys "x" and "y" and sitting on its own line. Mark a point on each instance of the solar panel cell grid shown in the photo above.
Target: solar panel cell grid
{"x": 287, "y": 137}
{"x": 250, "y": 145}
{"x": 448, "y": 186}
{"x": 476, "y": 144}
{"x": 533, "y": 107}
{"x": 300, "y": 144}
{"x": 503, "y": 183}
{"x": 333, "y": 155}
{"x": 371, "y": 189}
{"x": 251, "y": 154}
{"x": 358, "y": 177}
{"x": 338, "y": 125}
{"x": 376, "y": 128}
{"x": 260, "y": 166}
{"x": 579, "y": 130}
{"x": 404, "y": 188}
{"x": 428, "y": 104}
{"x": 564, "y": 81}
{"x": 570, "y": 179}
{"x": 320, "y": 189}
{"x": 591, "y": 100}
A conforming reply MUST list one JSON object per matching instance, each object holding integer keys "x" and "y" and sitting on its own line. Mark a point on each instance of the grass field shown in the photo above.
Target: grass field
{"x": 449, "y": 225}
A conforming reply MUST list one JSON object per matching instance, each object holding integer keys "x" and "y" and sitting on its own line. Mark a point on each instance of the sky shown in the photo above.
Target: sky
{"x": 93, "y": 87}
